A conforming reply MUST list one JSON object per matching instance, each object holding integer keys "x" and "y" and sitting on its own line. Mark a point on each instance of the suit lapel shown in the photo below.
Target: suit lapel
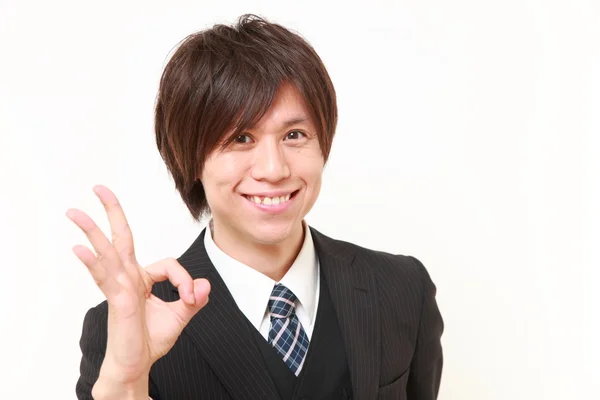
{"x": 354, "y": 295}
{"x": 222, "y": 334}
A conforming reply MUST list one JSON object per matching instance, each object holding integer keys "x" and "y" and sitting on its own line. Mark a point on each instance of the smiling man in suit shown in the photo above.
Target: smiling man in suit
{"x": 245, "y": 119}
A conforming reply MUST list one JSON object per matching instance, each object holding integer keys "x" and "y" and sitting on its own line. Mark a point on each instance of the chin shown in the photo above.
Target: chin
{"x": 268, "y": 233}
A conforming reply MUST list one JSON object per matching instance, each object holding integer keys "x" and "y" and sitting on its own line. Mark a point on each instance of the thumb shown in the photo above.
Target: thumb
{"x": 185, "y": 310}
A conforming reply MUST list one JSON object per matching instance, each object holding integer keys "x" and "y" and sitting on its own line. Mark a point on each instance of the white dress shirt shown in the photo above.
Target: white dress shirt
{"x": 251, "y": 289}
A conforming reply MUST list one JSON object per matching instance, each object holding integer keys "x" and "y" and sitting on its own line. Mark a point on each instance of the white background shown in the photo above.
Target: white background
{"x": 468, "y": 137}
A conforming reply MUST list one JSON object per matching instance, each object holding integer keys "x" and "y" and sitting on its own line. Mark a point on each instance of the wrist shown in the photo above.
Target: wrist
{"x": 107, "y": 387}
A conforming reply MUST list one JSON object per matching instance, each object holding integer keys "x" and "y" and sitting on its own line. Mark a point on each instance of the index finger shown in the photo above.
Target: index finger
{"x": 170, "y": 269}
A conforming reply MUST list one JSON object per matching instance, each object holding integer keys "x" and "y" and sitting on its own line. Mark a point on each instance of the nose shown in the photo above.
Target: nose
{"x": 270, "y": 163}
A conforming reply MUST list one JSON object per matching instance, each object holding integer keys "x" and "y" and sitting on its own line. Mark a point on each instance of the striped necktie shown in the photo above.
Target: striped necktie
{"x": 286, "y": 334}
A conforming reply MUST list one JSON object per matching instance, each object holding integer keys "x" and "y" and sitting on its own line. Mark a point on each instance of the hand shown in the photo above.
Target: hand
{"x": 141, "y": 327}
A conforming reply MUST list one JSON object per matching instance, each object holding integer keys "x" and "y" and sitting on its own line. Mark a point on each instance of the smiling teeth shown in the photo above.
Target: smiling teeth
{"x": 267, "y": 201}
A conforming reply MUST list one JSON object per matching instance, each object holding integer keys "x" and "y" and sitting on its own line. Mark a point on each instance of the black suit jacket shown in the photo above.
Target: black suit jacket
{"x": 386, "y": 307}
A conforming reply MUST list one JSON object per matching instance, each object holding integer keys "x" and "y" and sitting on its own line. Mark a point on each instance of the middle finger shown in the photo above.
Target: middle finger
{"x": 122, "y": 238}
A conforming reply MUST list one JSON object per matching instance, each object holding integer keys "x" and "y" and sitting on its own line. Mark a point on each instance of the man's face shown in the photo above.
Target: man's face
{"x": 263, "y": 184}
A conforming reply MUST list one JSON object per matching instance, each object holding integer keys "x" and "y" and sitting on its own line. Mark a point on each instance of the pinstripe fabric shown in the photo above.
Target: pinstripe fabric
{"x": 354, "y": 294}
{"x": 389, "y": 319}
{"x": 226, "y": 344}
{"x": 386, "y": 309}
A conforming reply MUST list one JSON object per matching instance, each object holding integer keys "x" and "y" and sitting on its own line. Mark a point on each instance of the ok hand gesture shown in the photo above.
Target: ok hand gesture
{"x": 141, "y": 327}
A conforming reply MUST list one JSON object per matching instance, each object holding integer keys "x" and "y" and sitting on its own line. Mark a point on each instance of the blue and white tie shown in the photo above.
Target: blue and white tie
{"x": 286, "y": 334}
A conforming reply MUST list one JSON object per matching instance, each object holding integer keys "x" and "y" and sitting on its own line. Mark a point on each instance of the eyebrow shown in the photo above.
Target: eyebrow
{"x": 294, "y": 121}
{"x": 290, "y": 122}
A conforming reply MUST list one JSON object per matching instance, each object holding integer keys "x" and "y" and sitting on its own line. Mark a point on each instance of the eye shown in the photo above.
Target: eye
{"x": 243, "y": 138}
{"x": 294, "y": 135}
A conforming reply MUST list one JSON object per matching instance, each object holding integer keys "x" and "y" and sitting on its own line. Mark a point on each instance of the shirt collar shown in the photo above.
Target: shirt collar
{"x": 251, "y": 289}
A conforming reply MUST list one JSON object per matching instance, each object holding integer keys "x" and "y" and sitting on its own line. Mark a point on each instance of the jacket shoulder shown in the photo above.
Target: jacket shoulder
{"x": 387, "y": 267}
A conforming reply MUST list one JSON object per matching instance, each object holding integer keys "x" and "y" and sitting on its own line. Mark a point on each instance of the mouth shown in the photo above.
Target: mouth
{"x": 273, "y": 200}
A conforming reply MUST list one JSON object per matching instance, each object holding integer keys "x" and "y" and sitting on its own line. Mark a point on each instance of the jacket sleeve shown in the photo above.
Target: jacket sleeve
{"x": 426, "y": 365}
{"x": 93, "y": 347}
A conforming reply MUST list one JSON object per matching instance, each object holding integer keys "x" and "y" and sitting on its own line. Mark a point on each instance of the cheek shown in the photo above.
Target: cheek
{"x": 315, "y": 188}
{"x": 220, "y": 178}
{"x": 312, "y": 174}
{"x": 313, "y": 179}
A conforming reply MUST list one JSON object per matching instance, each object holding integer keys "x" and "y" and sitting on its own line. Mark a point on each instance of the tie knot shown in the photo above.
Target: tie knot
{"x": 282, "y": 302}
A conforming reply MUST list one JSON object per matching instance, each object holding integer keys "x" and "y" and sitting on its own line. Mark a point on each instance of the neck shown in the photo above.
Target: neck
{"x": 272, "y": 260}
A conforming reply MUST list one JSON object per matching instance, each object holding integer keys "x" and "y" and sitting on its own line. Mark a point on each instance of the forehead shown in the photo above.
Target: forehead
{"x": 288, "y": 108}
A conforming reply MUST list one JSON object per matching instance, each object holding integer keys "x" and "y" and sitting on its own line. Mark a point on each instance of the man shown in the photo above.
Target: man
{"x": 245, "y": 118}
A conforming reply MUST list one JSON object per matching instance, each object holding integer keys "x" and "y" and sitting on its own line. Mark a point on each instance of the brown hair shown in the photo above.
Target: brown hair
{"x": 223, "y": 80}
